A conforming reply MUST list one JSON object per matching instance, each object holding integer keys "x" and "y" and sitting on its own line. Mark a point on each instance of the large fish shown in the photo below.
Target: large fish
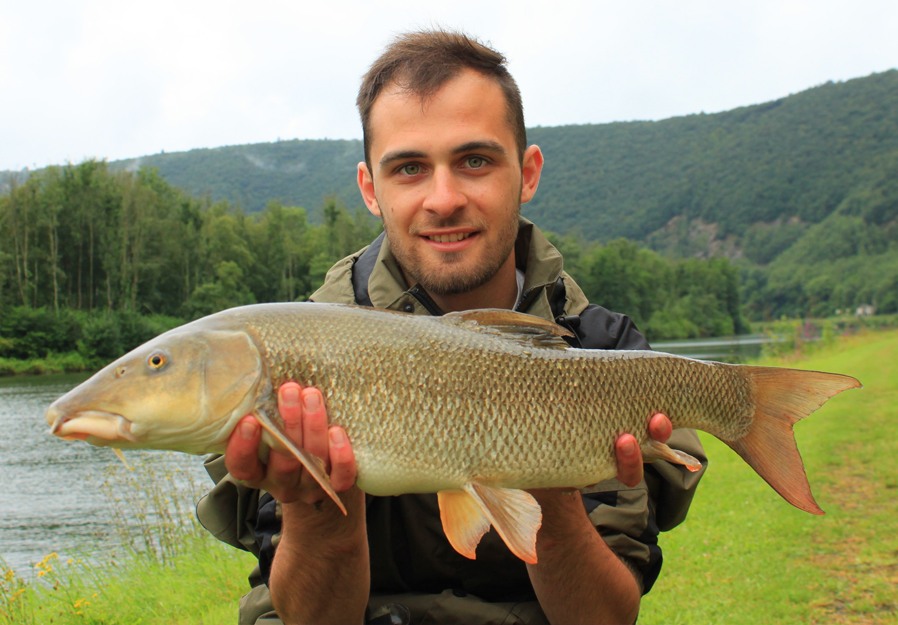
{"x": 475, "y": 406}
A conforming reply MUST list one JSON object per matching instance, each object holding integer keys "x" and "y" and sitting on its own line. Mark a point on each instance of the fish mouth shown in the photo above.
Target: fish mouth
{"x": 97, "y": 423}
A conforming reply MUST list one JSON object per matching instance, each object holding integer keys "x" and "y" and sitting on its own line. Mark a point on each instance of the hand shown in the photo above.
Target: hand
{"x": 305, "y": 419}
{"x": 629, "y": 456}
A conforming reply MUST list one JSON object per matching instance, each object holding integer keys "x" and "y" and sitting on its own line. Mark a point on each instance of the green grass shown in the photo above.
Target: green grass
{"x": 67, "y": 362}
{"x": 199, "y": 586}
{"x": 745, "y": 556}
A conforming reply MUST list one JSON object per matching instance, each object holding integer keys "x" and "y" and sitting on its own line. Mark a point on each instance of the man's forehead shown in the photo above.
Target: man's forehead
{"x": 470, "y": 105}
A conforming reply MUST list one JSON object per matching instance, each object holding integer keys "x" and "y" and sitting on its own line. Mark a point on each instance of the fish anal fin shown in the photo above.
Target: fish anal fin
{"x": 526, "y": 330}
{"x": 312, "y": 463}
{"x": 463, "y": 521}
{"x": 515, "y": 515}
{"x": 783, "y": 397}
{"x": 654, "y": 450}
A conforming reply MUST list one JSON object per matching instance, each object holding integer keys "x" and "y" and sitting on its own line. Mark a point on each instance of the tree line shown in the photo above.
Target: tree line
{"x": 98, "y": 261}
{"x": 86, "y": 238}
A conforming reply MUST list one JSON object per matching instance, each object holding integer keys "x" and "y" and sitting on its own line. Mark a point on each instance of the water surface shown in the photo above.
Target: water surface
{"x": 52, "y": 500}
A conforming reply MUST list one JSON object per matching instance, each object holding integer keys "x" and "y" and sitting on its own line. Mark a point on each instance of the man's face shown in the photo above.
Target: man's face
{"x": 446, "y": 179}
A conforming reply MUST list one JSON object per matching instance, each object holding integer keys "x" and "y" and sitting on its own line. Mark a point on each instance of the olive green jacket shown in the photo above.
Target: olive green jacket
{"x": 495, "y": 588}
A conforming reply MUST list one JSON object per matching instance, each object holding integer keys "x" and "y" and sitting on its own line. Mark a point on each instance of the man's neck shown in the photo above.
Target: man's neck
{"x": 501, "y": 291}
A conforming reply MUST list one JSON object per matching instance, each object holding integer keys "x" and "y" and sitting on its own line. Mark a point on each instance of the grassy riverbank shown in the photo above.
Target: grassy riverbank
{"x": 162, "y": 567}
{"x": 745, "y": 556}
{"x": 742, "y": 556}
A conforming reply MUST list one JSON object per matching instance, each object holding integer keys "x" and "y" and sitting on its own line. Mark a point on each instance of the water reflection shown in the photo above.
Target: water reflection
{"x": 736, "y": 349}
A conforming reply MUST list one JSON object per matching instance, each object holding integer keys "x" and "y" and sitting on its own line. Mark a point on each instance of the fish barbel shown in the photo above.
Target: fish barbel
{"x": 475, "y": 406}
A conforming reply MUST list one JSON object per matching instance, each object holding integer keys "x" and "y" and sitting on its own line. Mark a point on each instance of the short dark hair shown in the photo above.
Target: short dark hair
{"x": 422, "y": 62}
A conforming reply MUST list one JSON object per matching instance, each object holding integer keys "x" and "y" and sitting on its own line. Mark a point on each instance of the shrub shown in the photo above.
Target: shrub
{"x": 35, "y": 332}
{"x": 101, "y": 337}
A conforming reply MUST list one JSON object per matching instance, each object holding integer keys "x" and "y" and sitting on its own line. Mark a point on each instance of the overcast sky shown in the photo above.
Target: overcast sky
{"x": 115, "y": 79}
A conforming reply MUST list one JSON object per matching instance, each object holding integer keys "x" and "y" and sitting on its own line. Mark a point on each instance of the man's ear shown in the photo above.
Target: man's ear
{"x": 531, "y": 168}
{"x": 366, "y": 186}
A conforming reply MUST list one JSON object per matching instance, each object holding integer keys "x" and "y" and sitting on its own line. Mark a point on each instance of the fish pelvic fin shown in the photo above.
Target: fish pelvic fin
{"x": 654, "y": 450}
{"x": 782, "y": 398}
{"x": 312, "y": 463}
{"x": 514, "y": 513}
{"x": 463, "y": 521}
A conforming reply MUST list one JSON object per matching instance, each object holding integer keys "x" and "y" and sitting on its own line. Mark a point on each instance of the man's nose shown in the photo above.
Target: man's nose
{"x": 445, "y": 195}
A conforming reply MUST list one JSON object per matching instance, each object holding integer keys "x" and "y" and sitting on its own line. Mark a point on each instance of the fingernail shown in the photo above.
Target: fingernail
{"x": 311, "y": 401}
{"x": 629, "y": 448}
{"x": 248, "y": 430}
{"x": 290, "y": 396}
{"x": 338, "y": 438}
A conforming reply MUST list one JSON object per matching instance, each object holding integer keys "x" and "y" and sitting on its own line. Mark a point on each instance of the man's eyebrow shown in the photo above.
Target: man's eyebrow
{"x": 470, "y": 146}
{"x": 481, "y": 146}
{"x": 399, "y": 155}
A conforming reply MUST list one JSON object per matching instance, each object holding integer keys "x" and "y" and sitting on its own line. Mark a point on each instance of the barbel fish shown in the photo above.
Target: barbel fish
{"x": 475, "y": 406}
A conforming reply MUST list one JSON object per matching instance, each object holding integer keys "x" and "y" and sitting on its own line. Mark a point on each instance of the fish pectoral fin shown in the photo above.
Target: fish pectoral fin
{"x": 515, "y": 515}
{"x": 463, "y": 521}
{"x": 312, "y": 463}
{"x": 528, "y": 330}
{"x": 653, "y": 451}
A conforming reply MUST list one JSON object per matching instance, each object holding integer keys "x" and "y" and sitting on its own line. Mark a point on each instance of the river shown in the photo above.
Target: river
{"x": 52, "y": 498}
{"x": 725, "y": 348}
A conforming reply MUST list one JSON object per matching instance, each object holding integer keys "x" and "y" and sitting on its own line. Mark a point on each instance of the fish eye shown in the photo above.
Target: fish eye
{"x": 156, "y": 360}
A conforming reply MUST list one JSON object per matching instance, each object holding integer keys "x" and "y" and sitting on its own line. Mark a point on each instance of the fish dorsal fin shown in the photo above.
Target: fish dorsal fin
{"x": 515, "y": 515}
{"x": 528, "y": 330}
{"x": 312, "y": 463}
{"x": 463, "y": 521}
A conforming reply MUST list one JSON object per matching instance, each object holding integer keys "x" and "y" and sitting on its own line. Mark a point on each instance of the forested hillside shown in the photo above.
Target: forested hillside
{"x": 798, "y": 157}
{"x": 296, "y": 173}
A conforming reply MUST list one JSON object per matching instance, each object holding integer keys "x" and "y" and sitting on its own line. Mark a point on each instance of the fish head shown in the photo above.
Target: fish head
{"x": 184, "y": 390}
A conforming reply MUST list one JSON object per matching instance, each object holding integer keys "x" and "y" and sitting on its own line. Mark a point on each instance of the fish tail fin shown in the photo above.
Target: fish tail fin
{"x": 782, "y": 398}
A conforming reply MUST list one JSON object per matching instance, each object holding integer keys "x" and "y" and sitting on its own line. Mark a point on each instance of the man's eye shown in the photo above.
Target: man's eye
{"x": 475, "y": 162}
{"x": 410, "y": 170}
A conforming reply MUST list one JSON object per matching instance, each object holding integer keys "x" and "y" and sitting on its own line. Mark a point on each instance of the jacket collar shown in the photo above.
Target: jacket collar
{"x": 541, "y": 263}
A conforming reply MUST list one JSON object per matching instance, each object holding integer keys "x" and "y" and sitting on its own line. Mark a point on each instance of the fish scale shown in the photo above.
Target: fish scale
{"x": 477, "y": 407}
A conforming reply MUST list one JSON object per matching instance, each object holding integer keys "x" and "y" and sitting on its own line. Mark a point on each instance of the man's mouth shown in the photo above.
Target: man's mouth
{"x": 449, "y": 238}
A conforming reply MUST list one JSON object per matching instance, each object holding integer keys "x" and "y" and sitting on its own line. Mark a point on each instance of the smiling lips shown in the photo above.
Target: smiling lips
{"x": 449, "y": 238}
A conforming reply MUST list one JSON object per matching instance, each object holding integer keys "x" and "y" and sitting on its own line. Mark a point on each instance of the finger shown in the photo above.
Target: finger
{"x": 290, "y": 409}
{"x": 283, "y": 467}
{"x": 343, "y": 467}
{"x": 314, "y": 423}
{"x": 629, "y": 460}
{"x": 242, "y": 452}
{"x": 660, "y": 427}
{"x": 314, "y": 432}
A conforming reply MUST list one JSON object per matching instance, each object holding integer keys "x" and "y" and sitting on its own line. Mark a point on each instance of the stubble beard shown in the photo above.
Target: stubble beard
{"x": 446, "y": 279}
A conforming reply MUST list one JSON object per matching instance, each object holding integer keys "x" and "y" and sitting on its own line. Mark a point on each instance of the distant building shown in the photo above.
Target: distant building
{"x": 865, "y": 310}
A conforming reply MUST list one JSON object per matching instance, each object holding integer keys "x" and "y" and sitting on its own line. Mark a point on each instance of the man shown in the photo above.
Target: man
{"x": 446, "y": 168}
